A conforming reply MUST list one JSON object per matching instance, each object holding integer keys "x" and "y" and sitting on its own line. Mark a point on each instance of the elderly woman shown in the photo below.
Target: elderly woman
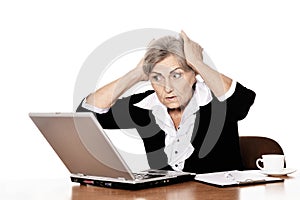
{"x": 185, "y": 124}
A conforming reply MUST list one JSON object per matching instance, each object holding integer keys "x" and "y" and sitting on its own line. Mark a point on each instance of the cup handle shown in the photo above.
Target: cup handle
{"x": 257, "y": 163}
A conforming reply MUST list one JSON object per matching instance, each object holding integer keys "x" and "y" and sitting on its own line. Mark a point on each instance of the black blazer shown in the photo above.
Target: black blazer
{"x": 215, "y": 136}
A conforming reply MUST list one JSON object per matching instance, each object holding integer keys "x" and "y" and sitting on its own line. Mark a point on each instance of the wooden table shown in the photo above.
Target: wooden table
{"x": 64, "y": 189}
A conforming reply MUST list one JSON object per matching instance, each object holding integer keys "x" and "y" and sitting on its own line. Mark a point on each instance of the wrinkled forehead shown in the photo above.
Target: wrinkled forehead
{"x": 168, "y": 64}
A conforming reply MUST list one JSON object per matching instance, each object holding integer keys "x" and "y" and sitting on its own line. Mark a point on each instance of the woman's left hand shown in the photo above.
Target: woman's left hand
{"x": 192, "y": 52}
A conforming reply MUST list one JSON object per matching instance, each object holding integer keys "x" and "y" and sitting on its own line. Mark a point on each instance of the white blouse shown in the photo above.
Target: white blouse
{"x": 178, "y": 145}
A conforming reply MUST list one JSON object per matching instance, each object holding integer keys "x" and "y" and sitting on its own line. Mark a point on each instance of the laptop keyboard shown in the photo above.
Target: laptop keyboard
{"x": 147, "y": 176}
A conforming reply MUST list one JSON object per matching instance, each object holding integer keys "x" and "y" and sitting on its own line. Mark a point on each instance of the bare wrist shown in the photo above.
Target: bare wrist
{"x": 139, "y": 75}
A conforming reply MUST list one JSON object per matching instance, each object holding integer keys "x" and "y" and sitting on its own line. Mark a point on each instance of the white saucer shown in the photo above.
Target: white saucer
{"x": 285, "y": 171}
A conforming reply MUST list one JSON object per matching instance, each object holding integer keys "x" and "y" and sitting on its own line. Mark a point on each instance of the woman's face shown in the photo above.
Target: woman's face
{"x": 172, "y": 84}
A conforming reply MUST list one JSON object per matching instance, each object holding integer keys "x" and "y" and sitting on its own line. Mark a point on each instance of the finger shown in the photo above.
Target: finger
{"x": 183, "y": 35}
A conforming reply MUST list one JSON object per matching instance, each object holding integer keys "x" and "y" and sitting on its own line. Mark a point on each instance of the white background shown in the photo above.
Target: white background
{"x": 44, "y": 44}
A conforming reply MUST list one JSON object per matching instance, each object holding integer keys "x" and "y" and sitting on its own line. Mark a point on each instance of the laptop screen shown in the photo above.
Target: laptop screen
{"x": 81, "y": 144}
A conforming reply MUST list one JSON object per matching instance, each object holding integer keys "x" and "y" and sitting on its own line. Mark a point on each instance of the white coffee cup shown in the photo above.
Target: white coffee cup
{"x": 271, "y": 162}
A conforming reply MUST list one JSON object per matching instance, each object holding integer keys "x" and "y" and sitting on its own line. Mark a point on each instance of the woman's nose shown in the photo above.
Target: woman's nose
{"x": 168, "y": 87}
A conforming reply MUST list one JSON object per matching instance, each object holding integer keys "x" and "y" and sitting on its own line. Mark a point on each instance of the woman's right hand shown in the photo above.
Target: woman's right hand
{"x": 140, "y": 70}
{"x": 140, "y": 66}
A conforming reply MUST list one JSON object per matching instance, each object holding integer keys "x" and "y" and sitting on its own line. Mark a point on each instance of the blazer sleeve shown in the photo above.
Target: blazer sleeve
{"x": 238, "y": 105}
{"x": 123, "y": 114}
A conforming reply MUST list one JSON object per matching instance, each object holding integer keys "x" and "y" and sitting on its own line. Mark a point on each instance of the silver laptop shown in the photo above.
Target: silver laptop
{"x": 87, "y": 152}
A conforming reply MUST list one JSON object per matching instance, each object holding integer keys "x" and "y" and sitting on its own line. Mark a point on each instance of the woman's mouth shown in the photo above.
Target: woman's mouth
{"x": 171, "y": 98}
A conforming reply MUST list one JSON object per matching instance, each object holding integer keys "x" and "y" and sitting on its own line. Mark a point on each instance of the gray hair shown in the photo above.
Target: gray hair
{"x": 162, "y": 48}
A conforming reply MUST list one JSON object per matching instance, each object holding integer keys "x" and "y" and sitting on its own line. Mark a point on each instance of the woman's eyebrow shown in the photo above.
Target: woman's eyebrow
{"x": 155, "y": 73}
{"x": 169, "y": 72}
{"x": 176, "y": 69}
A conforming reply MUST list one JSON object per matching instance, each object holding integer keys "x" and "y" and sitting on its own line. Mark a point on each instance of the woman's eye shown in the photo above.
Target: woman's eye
{"x": 156, "y": 78}
{"x": 176, "y": 75}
